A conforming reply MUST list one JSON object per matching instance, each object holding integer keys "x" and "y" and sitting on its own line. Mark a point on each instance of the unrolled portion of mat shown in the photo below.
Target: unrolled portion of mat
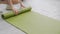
{"x": 34, "y": 23}
{"x": 11, "y": 13}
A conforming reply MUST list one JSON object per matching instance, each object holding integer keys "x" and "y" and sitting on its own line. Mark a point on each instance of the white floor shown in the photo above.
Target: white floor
{"x": 50, "y": 8}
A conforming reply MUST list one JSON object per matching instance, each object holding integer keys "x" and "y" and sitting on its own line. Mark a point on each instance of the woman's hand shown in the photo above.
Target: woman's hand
{"x": 15, "y": 11}
{"x": 21, "y": 3}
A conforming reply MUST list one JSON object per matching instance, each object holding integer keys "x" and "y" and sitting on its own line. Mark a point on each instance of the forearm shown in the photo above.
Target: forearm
{"x": 10, "y": 4}
{"x": 21, "y": 3}
{"x": 14, "y": 10}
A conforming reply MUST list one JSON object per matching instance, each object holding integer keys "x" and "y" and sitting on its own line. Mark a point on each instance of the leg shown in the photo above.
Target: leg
{"x": 9, "y": 5}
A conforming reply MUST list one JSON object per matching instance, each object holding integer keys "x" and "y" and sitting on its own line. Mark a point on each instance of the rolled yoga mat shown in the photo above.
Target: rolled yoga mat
{"x": 34, "y": 23}
{"x": 11, "y": 13}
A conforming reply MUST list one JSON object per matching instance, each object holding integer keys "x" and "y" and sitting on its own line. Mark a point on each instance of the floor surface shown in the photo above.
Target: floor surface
{"x": 50, "y": 8}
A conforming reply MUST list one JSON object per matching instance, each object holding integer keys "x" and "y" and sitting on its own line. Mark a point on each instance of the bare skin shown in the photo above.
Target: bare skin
{"x": 11, "y": 2}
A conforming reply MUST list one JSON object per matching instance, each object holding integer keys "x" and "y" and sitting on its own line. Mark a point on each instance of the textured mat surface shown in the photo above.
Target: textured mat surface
{"x": 34, "y": 23}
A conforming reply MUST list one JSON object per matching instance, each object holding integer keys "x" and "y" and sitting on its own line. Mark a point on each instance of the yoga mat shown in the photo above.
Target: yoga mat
{"x": 34, "y": 23}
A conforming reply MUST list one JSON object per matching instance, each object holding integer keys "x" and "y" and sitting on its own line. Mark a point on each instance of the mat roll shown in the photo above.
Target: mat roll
{"x": 11, "y": 13}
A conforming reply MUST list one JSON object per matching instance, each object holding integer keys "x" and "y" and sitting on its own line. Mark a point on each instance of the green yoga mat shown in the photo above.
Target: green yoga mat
{"x": 34, "y": 23}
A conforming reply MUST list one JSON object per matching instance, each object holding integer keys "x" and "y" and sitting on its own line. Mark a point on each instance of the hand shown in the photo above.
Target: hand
{"x": 22, "y": 6}
{"x": 15, "y": 11}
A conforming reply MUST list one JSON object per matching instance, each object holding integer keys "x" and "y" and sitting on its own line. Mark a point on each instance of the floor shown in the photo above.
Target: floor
{"x": 50, "y": 8}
